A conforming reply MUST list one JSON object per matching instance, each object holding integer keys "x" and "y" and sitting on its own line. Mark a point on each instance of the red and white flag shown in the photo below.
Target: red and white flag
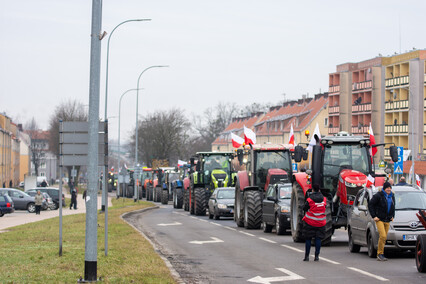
{"x": 370, "y": 181}
{"x": 418, "y": 180}
{"x": 237, "y": 141}
{"x": 373, "y": 151}
{"x": 313, "y": 141}
{"x": 291, "y": 138}
{"x": 181, "y": 163}
{"x": 249, "y": 136}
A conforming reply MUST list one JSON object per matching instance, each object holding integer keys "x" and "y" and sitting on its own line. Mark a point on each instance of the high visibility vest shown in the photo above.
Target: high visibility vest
{"x": 315, "y": 216}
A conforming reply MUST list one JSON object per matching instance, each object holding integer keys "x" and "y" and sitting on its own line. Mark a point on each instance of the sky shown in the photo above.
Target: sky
{"x": 231, "y": 51}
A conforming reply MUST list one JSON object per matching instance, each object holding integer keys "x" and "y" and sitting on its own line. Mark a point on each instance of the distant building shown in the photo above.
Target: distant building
{"x": 9, "y": 152}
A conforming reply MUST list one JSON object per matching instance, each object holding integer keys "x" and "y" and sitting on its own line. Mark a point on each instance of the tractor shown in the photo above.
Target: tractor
{"x": 154, "y": 192}
{"x": 170, "y": 175}
{"x": 264, "y": 164}
{"x": 340, "y": 165}
{"x": 178, "y": 186}
{"x": 145, "y": 181}
{"x": 212, "y": 170}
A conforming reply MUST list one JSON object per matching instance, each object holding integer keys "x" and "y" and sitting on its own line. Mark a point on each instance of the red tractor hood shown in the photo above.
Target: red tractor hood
{"x": 350, "y": 182}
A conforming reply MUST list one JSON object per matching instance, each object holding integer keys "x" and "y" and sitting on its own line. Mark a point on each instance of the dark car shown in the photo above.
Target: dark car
{"x": 53, "y": 192}
{"x": 44, "y": 205}
{"x": 6, "y": 205}
{"x": 21, "y": 200}
{"x": 276, "y": 208}
{"x": 221, "y": 203}
{"x": 403, "y": 230}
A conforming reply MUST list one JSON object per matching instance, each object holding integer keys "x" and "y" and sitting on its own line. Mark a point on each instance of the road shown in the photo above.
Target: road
{"x": 210, "y": 251}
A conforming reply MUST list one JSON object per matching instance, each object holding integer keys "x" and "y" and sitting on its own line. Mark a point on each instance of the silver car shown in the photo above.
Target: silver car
{"x": 403, "y": 230}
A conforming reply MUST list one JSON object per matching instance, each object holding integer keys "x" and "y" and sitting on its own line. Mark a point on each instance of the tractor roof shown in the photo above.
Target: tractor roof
{"x": 270, "y": 147}
{"x": 215, "y": 153}
{"x": 345, "y": 137}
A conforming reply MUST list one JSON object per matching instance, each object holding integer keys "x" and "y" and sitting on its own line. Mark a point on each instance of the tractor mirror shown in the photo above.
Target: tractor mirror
{"x": 240, "y": 156}
{"x": 305, "y": 155}
{"x": 298, "y": 153}
{"x": 393, "y": 151}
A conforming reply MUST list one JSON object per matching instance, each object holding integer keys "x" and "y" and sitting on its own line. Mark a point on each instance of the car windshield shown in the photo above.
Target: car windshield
{"x": 411, "y": 200}
{"x": 285, "y": 192}
{"x": 226, "y": 194}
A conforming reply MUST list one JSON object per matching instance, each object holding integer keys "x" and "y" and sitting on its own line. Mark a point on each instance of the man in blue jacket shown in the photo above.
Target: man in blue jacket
{"x": 382, "y": 210}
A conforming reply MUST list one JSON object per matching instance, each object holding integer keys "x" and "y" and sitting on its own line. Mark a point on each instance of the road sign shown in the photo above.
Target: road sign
{"x": 295, "y": 167}
{"x": 399, "y": 166}
{"x": 382, "y": 164}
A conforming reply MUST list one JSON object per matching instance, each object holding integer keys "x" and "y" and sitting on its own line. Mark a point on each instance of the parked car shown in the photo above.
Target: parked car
{"x": 21, "y": 200}
{"x": 403, "y": 230}
{"x": 53, "y": 192}
{"x": 6, "y": 205}
{"x": 276, "y": 208}
{"x": 21, "y": 184}
{"x": 47, "y": 200}
{"x": 221, "y": 203}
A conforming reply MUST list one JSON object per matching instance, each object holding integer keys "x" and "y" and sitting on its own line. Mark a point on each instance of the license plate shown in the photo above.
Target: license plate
{"x": 409, "y": 237}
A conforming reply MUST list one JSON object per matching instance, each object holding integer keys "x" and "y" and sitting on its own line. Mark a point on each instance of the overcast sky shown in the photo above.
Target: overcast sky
{"x": 238, "y": 51}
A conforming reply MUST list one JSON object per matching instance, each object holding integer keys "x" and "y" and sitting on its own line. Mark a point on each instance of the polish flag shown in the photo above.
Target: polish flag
{"x": 313, "y": 141}
{"x": 249, "y": 136}
{"x": 291, "y": 138}
{"x": 370, "y": 181}
{"x": 418, "y": 181}
{"x": 373, "y": 151}
{"x": 181, "y": 163}
{"x": 237, "y": 141}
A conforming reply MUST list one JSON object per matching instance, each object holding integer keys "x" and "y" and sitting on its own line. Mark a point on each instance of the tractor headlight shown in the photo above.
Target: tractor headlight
{"x": 285, "y": 209}
{"x": 349, "y": 184}
{"x": 222, "y": 206}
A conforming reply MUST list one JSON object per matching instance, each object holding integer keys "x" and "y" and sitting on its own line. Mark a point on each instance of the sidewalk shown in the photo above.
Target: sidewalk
{"x": 20, "y": 217}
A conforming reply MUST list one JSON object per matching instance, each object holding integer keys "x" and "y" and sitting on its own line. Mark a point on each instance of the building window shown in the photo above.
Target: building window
{"x": 326, "y": 121}
{"x": 42, "y": 165}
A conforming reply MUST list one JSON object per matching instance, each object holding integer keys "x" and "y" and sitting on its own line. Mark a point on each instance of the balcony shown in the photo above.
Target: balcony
{"x": 424, "y": 128}
{"x": 396, "y": 129}
{"x": 361, "y": 108}
{"x": 397, "y": 105}
{"x": 360, "y": 129}
{"x": 397, "y": 81}
{"x": 334, "y": 110}
{"x": 334, "y": 89}
{"x": 333, "y": 130}
{"x": 362, "y": 85}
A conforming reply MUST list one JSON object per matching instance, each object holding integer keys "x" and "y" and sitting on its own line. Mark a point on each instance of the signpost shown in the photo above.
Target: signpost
{"x": 399, "y": 166}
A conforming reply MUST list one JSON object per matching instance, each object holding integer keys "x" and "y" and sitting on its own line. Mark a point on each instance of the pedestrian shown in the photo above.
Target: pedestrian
{"x": 73, "y": 198}
{"x": 43, "y": 183}
{"x": 10, "y": 184}
{"x": 401, "y": 182}
{"x": 38, "y": 200}
{"x": 382, "y": 210}
{"x": 85, "y": 194}
{"x": 314, "y": 221}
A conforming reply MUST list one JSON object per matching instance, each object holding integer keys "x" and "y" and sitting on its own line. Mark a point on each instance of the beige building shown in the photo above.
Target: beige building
{"x": 9, "y": 153}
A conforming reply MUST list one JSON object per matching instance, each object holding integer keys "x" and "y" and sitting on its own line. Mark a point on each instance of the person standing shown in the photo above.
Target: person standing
{"x": 43, "y": 183}
{"x": 314, "y": 221}
{"x": 382, "y": 210}
{"x": 38, "y": 200}
{"x": 73, "y": 198}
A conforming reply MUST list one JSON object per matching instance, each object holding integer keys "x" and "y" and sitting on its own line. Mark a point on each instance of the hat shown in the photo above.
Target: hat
{"x": 386, "y": 185}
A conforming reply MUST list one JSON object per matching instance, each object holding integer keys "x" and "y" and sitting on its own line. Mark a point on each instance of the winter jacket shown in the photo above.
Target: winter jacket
{"x": 38, "y": 199}
{"x": 378, "y": 207}
{"x": 315, "y": 210}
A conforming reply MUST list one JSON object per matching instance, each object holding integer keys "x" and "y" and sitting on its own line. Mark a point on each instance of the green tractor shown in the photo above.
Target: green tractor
{"x": 212, "y": 170}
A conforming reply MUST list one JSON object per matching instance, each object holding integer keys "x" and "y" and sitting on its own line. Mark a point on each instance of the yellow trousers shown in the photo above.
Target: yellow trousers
{"x": 383, "y": 228}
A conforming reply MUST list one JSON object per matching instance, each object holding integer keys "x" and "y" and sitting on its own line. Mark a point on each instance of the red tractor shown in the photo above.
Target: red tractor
{"x": 340, "y": 165}
{"x": 264, "y": 164}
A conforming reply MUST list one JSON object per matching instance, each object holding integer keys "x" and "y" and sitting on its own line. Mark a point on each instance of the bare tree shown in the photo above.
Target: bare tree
{"x": 38, "y": 146}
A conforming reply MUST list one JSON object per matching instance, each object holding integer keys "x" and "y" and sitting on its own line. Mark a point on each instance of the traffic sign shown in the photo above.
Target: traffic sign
{"x": 399, "y": 166}
{"x": 382, "y": 164}
{"x": 295, "y": 167}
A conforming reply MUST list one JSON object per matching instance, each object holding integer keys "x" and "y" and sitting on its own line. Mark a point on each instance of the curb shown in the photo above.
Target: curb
{"x": 173, "y": 271}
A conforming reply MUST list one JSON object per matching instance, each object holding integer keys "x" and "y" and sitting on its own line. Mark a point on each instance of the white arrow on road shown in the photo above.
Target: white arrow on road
{"x": 170, "y": 224}
{"x": 290, "y": 276}
{"x": 214, "y": 240}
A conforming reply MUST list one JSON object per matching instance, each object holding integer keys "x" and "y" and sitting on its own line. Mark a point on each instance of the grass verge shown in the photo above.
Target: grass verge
{"x": 29, "y": 253}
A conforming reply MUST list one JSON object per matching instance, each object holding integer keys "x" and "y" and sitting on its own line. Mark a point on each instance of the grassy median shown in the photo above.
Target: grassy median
{"x": 29, "y": 253}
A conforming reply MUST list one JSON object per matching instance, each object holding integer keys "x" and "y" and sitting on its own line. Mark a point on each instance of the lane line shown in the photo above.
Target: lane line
{"x": 229, "y": 228}
{"x": 368, "y": 274}
{"x": 245, "y": 233}
{"x": 267, "y": 240}
{"x": 327, "y": 260}
{"x": 202, "y": 220}
{"x": 216, "y": 224}
{"x": 292, "y": 248}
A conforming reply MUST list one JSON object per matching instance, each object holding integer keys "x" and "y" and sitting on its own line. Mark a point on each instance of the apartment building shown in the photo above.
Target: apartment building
{"x": 9, "y": 153}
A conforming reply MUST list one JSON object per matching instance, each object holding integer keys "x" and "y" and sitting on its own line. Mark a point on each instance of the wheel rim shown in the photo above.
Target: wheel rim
{"x": 370, "y": 245}
{"x": 31, "y": 208}
{"x": 277, "y": 223}
{"x": 245, "y": 213}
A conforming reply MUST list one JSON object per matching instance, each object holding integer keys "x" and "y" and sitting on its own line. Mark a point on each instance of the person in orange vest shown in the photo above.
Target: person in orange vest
{"x": 314, "y": 221}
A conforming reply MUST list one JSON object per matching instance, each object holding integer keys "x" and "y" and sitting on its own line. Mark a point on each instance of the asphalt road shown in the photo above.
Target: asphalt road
{"x": 209, "y": 251}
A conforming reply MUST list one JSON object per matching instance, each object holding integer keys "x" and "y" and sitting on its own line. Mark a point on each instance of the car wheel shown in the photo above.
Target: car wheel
{"x": 421, "y": 253}
{"x": 1, "y": 214}
{"x": 55, "y": 206}
{"x": 31, "y": 207}
{"x": 352, "y": 247}
{"x": 280, "y": 229}
{"x": 372, "y": 252}
{"x": 210, "y": 215}
{"x": 216, "y": 216}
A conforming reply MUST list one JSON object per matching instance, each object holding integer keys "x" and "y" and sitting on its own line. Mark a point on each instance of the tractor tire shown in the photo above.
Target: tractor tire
{"x": 164, "y": 197}
{"x": 296, "y": 205}
{"x": 178, "y": 198}
{"x": 421, "y": 253}
{"x": 157, "y": 195}
{"x": 191, "y": 202}
{"x": 186, "y": 200}
{"x": 252, "y": 209}
{"x": 200, "y": 201}
{"x": 238, "y": 213}
{"x": 328, "y": 225}
{"x": 149, "y": 194}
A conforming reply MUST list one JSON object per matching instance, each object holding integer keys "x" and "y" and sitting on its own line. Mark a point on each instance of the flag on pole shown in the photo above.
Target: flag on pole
{"x": 181, "y": 163}
{"x": 370, "y": 181}
{"x": 249, "y": 136}
{"x": 373, "y": 151}
{"x": 410, "y": 174}
{"x": 291, "y": 138}
{"x": 418, "y": 181}
{"x": 313, "y": 141}
{"x": 237, "y": 141}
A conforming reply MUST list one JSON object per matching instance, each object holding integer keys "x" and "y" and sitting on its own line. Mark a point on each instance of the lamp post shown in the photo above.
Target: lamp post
{"x": 137, "y": 126}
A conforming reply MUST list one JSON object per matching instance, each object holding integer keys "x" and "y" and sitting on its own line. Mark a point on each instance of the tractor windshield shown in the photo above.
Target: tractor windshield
{"x": 173, "y": 177}
{"x": 266, "y": 160}
{"x": 343, "y": 156}
{"x": 216, "y": 162}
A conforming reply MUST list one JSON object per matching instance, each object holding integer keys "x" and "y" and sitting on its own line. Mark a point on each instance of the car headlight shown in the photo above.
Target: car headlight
{"x": 222, "y": 206}
{"x": 285, "y": 209}
{"x": 349, "y": 184}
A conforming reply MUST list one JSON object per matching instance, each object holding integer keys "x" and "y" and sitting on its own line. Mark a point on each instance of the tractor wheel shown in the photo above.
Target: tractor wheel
{"x": 157, "y": 195}
{"x": 421, "y": 253}
{"x": 200, "y": 201}
{"x": 328, "y": 225}
{"x": 150, "y": 193}
{"x": 186, "y": 200}
{"x": 297, "y": 202}
{"x": 164, "y": 197}
{"x": 179, "y": 197}
{"x": 238, "y": 214}
{"x": 252, "y": 209}
{"x": 191, "y": 202}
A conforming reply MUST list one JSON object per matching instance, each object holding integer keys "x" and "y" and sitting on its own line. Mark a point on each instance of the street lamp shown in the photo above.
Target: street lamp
{"x": 137, "y": 103}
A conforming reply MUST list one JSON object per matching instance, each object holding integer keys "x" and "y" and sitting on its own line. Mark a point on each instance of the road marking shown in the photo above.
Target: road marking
{"x": 245, "y": 233}
{"x": 267, "y": 240}
{"x": 216, "y": 224}
{"x": 194, "y": 217}
{"x": 170, "y": 224}
{"x": 214, "y": 240}
{"x": 229, "y": 228}
{"x": 265, "y": 280}
{"x": 368, "y": 274}
{"x": 295, "y": 249}
{"x": 203, "y": 220}
{"x": 327, "y": 260}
